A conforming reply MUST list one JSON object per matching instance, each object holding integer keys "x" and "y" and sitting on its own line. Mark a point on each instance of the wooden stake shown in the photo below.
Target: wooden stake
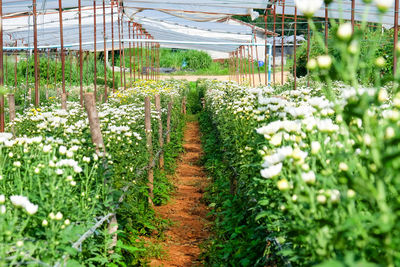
{"x": 168, "y": 137}
{"x": 64, "y": 101}
{"x": 94, "y": 122}
{"x": 160, "y": 130}
{"x": 150, "y": 177}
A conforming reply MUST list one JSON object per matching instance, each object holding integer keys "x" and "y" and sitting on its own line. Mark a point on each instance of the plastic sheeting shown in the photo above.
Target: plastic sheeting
{"x": 206, "y": 10}
{"x": 341, "y": 9}
{"x": 18, "y": 29}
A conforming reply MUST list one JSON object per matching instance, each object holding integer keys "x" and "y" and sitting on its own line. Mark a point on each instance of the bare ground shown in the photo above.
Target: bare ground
{"x": 186, "y": 210}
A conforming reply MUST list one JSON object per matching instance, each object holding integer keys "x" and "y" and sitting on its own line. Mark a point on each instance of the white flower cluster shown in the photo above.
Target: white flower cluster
{"x": 23, "y": 202}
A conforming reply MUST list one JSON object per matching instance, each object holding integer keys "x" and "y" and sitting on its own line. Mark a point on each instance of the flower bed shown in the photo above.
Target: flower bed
{"x": 53, "y": 186}
{"x": 317, "y": 181}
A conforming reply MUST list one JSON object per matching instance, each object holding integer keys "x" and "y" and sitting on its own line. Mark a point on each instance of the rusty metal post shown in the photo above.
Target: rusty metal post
{"x": 134, "y": 52}
{"x": 251, "y": 64}
{"x": 112, "y": 45}
{"x": 35, "y": 51}
{"x": 123, "y": 47}
{"x": 282, "y": 35}
{"x": 396, "y": 34}
{"x": 2, "y": 119}
{"x": 274, "y": 46}
{"x": 326, "y": 25}
{"x": 308, "y": 52}
{"x": 15, "y": 66}
{"x": 48, "y": 75}
{"x": 95, "y": 52}
{"x": 80, "y": 55}
{"x": 266, "y": 42}
{"x": 130, "y": 52}
{"x": 70, "y": 67}
{"x": 141, "y": 54}
{"x": 248, "y": 64}
{"x": 62, "y": 45}
{"x": 295, "y": 48}
{"x": 353, "y": 4}
{"x": 105, "y": 52}
{"x": 119, "y": 43}
{"x": 242, "y": 69}
{"x": 55, "y": 71}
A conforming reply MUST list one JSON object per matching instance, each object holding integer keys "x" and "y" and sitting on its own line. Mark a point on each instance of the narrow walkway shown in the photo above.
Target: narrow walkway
{"x": 186, "y": 210}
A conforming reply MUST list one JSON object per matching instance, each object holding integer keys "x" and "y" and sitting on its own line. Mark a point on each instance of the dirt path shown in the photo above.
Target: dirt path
{"x": 185, "y": 209}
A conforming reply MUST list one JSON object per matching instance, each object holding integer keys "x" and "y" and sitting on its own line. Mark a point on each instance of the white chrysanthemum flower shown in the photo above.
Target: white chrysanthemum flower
{"x": 384, "y": 5}
{"x": 2, "y": 199}
{"x": 17, "y": 164}
{"x": 321, "y": 199}
{"x": 58, "y": 216}
{"x": 31, "y": 208}
{"x": 308, "y": 177}
{"x": 62, "y": 150}
{"x": 272, "y": 171}
{"x": 345, "y": 31}
{"x": 45, "y": 222}
{"x": 308, "y": 7}
{"x": 283, "y": 185}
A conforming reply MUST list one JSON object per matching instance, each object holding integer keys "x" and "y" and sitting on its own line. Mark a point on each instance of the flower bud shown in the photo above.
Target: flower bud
{"x": 312, "y": 64}
{"x": 383, "y": 5}
{"x": 343, "y": 167}
{"x": 283, "y": 185}
{"x": 324, "y": 61}
{"x": 308, "y": 7}
{"x": 345, "y": 31}
{"x": 380, "y": 62}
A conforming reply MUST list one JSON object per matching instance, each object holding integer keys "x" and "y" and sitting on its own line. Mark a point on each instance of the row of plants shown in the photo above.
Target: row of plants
{"x": 54, "y": 186}
{"x": 312, "y": 181}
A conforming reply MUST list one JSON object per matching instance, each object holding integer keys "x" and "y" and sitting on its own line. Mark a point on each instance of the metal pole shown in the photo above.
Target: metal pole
{"x": 274, "y": 44}
{"x": 353, "y": 3}
{"x": 119, "y": 43}
{"x": 105, "y": 52}
{"x": 112, "y": 46}
{"x": 326, "y": 26}
{"x": 80, "y": 55}
{"x": 15, "y": 67}
{"x": 396, "y": 34}
{"x": 70, "y": 67}
{"x": 48, "y": 71}
{"x": 2, "y": 119}
{"x": 62, "y": 45}
{"x": 295, "y": 48}
{"x": 35, "y": 53}
{"x": 282, "y": 35}
{"x": 55, "y": 71}
{"x": 248, "y": 63}
{"x": 130, "y": 51}
{"x": 266, "y": 41}
{"x": 258, "y": 66}
{"x": 123, "y": 46}
{"x": 95, "y": 52}
{"x": 308, "y": 52}
{"x": 134, "y": 52}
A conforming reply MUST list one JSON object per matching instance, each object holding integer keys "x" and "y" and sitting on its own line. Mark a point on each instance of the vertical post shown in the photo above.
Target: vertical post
{"x": 130, "y": 52}
{"x": 134, "y": 52}
{"x": 169, "y": 112}
{"x": 160, "y": 130}
{"x": 295, "y": 48}
{"x": 80, "y": 55}
{"x": 249, "y": 64}
{"x": 308, "y": 52}
{"x": 55, "y": 71}
{"x": 15, "y": 67}
{"x": 266, "y": 41}
{"x": 150, "y": 175}
{"x": 11, "y": 107}
{"x": 274, "y": 45}
{"x": 184, "y": 105}
{"x": 62, "y": 45}
{"x": 353, "y": 4}
{"x": 326, "y": 25}
{"x": 282, "y": 47}
{"x": 35, "y": 51}
{"x": 396, "y": 34}
{"x": 48, "y": 75}
{"x": 105, "y": 52}
{"x": 241, "y": 62}
{"x": 64, "y": 101}
{"x": 123, "y": 47}
{"x": 112, "y": 44}
{"x": 94, "y": 122}
{"x": 70, "y": 67}
{"x": 2, "y": 119}
{"x": 95, "y": 51}
{"x": 141, "y": 54}
{"x": 119, "y": 43}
